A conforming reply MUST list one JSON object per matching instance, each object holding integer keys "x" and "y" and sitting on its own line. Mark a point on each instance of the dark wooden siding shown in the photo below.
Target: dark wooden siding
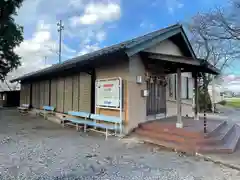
{"x": 75, "y": 92}
{"x": 54, "y": 93}
{"x": 60, "y": 94}
{"x": 85, "y": 92}
{"x": 34, "y": 97}
{"x": 25, "y": 93}
{"x": 68, "y": 94}
{"x": 46, "y": 93}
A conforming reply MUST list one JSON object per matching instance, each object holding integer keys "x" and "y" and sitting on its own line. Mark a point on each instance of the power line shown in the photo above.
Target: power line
{"x": 60, "y": 28}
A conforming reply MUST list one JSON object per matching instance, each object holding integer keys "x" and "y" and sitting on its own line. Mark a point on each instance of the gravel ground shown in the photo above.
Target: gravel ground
{"x": 33, "y": 148}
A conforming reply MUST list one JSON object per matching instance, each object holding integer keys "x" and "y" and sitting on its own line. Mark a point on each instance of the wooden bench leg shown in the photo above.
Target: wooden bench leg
{"x": 120, "y": 129}
{"x": 95, "y": 126}
{"x": 106, "y": 134}
{"x": 115, "y": 133}
{"x": 77, "y": 127}
{"x": 85, "y": 127}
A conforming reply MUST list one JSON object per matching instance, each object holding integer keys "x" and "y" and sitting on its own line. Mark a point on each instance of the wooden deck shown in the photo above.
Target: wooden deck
{"x": 221, "y": 137}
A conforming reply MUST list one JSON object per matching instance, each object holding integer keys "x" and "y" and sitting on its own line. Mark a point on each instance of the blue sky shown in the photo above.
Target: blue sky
{"x": 93, "y": 24}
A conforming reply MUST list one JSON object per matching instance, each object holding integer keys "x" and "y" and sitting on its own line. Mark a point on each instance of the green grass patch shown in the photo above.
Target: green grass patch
{"x": 233, "y": 102}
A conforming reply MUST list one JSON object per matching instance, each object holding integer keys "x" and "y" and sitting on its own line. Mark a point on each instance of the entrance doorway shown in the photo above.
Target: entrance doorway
{"x": 156, "y": 101}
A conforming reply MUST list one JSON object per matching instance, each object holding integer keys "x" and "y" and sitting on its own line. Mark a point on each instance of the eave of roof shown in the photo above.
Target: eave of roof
{"x": 210, "y": 67}
{"x": 111, "y": 49}
{"x": 69, "y": 63}
{"x": 129, "y": 47}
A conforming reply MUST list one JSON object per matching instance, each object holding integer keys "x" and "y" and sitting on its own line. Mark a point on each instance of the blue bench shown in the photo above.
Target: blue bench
{"x": 110, "y": 123}
{"x": 78, "y": 118}
{"x": 47, "y": 110}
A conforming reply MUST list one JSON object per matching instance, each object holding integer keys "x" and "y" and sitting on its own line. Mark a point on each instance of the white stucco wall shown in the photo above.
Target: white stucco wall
{"x": 168, "y": 47}
{"x": 136, "y": 103}
{"x": 165, "y": 47}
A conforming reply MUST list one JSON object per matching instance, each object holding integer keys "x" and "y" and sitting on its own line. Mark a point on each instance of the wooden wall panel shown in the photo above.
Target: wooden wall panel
{"x": 25, "y": 93}
{"x": 34, "y": 95}
{"x": 68, "y": 94}
{"x": 38, "y": 94}
{"x": 42, "y": 89}
{"x": 85, "y": 92}
{"x": 46, "y": 92}
{"x": 28, "y": 92}
{"x": 54, "y": 93}
{"x": 22, "y": 94}
{"x": 60, "y": 94}
{"x": 75, "y": 92}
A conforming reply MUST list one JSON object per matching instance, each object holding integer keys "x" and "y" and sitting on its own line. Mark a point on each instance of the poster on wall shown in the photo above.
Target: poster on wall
{"x": 108, "y": 93}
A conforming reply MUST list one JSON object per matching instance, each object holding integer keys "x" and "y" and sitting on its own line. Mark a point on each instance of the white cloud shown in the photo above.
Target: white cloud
{"x": 28, "y": 10}
{"x": 97, "y": 13}
{"x": 233, "y": 87}
{"x": 173, "y": 5}
{"x": 146, "y": 25}
{"x": 232, "y": 83}
{"x": 38, "y": 50}
{"x": 89, "y": 48}
{"x": 76, "y": 3}
{"x": 40, "y": 17}
{"x": 6, "y": 86}
{"x": 34, "y": 50}
{"x": 100, "y": 36}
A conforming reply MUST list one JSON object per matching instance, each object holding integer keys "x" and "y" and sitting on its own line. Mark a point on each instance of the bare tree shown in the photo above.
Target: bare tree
{"x": 215, "y": 36}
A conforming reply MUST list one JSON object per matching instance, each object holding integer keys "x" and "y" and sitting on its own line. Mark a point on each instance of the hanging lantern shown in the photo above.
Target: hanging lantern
{"x": 158, "y": 80}
{"x": 151, "y": 80}
{"x": 164, "y": 82}
{"x": 147, "y": 77}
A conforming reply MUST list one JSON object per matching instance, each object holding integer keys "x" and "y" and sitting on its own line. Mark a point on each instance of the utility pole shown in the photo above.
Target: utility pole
{"x": 45, "y": 60}
{"x": 60, "y": 28}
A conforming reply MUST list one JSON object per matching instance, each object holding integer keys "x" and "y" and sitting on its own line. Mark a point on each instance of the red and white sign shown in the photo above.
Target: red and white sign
{"x": 108, "y": 93}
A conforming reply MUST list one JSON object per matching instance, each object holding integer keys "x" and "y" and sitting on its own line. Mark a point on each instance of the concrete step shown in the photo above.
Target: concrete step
{"x": 225, "y": 138}
{"x": 234, "y": 138}
{"x": 228, "y": 146}
{"x": 160, "y": 136}
{"x": 216, "y": 130}
{"x": 219, "y": 137}
{"x": 224, "y": 142}
{"x": 171, "y": 130}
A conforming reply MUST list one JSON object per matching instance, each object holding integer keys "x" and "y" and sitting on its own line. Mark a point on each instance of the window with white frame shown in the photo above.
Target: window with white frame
{"x": 4, "y": 97}
{"x": 170, "y": 85}
{"x": 187, "y": 87}
{"x": 190, "y": 88}
{"x": 184, "y": 87}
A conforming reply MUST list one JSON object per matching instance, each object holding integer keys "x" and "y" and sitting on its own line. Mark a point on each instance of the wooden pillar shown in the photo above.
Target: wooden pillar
{"x": 213, "y": 94}
{"x": 205, "y": 103}
{"x": 179, "y": 123}
{"x": 196, "y": 109}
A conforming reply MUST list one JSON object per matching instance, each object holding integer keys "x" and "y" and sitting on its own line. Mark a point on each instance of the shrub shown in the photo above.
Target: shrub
{"x": 223, "y": 102}
{"x": 202, "y": 102}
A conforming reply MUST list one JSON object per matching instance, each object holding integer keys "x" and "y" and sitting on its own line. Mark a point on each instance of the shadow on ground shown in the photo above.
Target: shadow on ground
{"x": 34, "y": 148}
